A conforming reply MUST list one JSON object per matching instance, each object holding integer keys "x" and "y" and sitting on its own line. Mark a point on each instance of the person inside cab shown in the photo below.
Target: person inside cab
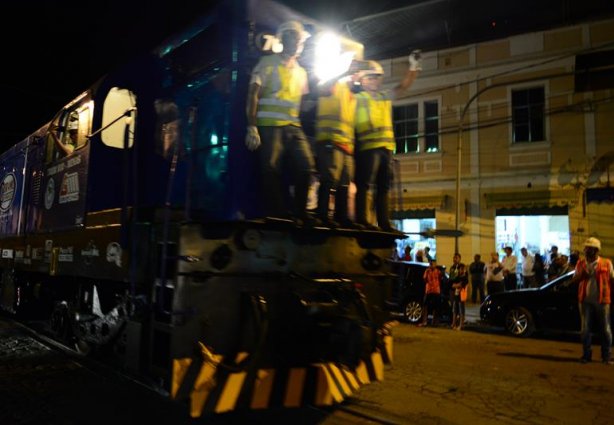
{"x": 67, "y": 144}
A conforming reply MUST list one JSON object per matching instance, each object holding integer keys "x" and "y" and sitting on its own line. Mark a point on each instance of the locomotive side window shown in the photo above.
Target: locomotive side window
{"x": 69, "y": 131}
{"x": 119, "y": 118}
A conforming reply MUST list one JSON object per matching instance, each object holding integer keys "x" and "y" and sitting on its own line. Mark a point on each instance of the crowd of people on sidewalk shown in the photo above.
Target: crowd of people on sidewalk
{"x": 504, "y": 273}
{"x": 593, "y": 274}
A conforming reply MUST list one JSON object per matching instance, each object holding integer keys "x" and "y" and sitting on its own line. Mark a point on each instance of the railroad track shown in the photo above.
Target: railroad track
{"x": 71, "y": 366}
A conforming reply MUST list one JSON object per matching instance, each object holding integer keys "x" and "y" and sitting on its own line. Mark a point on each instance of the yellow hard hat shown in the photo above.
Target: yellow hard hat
{"x": 372, "y": 68}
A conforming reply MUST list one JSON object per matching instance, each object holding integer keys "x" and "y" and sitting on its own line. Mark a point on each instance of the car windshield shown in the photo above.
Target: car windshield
{"x": 556, "y": 282}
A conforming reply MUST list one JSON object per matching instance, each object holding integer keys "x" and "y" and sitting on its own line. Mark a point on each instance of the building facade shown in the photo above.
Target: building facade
{"x": 529, "y": 122}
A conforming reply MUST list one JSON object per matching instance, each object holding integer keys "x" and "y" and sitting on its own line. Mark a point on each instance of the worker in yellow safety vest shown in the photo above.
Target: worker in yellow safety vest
{"x": 375, "y": 139}
{"x": 335, "y": 148}
{"x": 276, "y": 88}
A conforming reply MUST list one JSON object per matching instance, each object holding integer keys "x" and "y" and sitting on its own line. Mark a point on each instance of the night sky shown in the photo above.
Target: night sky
{"x": 53, "y": 50}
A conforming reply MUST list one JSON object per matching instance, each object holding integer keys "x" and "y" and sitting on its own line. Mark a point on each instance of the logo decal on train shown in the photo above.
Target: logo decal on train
{"x": 49, "y": 193}
{"x": 114, "y": 253}
{"x": 69, "y": 191}
{"x": 7, "y": 192}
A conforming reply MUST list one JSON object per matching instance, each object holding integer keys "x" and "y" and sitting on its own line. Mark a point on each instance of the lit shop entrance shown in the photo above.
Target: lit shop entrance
{"x": 414, "y": 222}
{"x": 536, "y": 229}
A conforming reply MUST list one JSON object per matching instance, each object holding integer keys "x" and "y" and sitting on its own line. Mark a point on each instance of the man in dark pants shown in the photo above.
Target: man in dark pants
{"x": 277, "y": 85}
{"x": 335, "y": 149}
{"x": 375, "y": 139}
{"x": 477, "y": 270}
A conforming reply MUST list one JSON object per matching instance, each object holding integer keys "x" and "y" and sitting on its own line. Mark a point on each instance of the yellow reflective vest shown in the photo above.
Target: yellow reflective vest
{"x": 335, "y": 120}
{"x": 374, "y": 122}
{"x": 280, "y": 94}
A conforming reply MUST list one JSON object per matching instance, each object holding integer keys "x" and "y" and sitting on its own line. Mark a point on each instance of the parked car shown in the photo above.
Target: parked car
{"x": 554, "y": 306}
{"x": 408, "y": 291}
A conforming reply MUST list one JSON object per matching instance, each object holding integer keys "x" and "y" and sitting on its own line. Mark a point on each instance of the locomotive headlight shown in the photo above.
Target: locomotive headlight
{"x": 248, "y": 239}
{"x": 371, "y": 262}
{"x": 329, "y": 61}
{"x": 221, "y": 257}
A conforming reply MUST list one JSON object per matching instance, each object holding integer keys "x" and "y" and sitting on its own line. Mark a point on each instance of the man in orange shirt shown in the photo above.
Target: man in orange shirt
{"x": 432, "y": 292}
{"x": 595, "y": 276}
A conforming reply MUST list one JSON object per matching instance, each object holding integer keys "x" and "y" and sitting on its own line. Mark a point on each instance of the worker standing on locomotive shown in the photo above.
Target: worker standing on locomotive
{"x": 375, "y": 139}
{"x": 335, "y": 148}
{"x": 277, "y": 85}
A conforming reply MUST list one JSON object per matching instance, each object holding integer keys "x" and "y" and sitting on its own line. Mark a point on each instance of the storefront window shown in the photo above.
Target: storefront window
{"x": 536, "y": 233}
{"x": 417, "y": 242}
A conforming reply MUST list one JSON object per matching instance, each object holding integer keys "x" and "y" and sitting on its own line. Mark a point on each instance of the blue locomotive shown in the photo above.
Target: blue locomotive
{"x": 130, "y": 223}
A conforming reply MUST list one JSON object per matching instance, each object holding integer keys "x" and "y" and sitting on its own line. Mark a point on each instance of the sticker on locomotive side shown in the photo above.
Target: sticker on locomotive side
{"x": 52, "y": 171}
{"x": 7, "y": 193}
{"x": 48, "y": 248}
{"x": 49, "y": 193}
{"x": 69, "y": 191}
{"x": 90, "y": 251}
{"x": 114, "y": 253}
{"x": 37, "y": 253}
{"x": 66, "y": 255}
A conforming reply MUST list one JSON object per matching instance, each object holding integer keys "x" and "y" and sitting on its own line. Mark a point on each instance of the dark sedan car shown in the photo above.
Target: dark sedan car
{"x": 408, "y": 291}
{"x": 554, "y": 306}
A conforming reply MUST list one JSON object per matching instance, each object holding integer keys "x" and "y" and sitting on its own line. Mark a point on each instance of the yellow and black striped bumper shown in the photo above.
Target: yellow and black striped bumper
{"x": 212, "y": 388}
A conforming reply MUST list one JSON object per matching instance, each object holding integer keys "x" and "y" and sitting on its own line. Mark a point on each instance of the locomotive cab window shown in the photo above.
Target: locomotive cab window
{"x": 68, "y": 132}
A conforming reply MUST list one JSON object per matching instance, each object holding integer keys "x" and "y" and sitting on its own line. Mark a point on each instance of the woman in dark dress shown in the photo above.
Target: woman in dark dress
{"x": 539, "y": 270}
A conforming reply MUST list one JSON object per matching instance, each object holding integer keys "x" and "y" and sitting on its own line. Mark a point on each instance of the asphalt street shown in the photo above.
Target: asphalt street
{"x": 439, "y": 376}
{"x": 482, "y": 376}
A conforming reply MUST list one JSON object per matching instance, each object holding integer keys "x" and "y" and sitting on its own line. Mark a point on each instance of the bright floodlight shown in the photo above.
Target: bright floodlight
{"x": 329, "y": 61}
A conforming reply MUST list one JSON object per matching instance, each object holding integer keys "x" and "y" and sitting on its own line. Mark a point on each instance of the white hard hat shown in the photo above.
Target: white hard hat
{"x": 293, "y": 26}
{"x": 592, "y": 243}
{"x": 373, "y": 68}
